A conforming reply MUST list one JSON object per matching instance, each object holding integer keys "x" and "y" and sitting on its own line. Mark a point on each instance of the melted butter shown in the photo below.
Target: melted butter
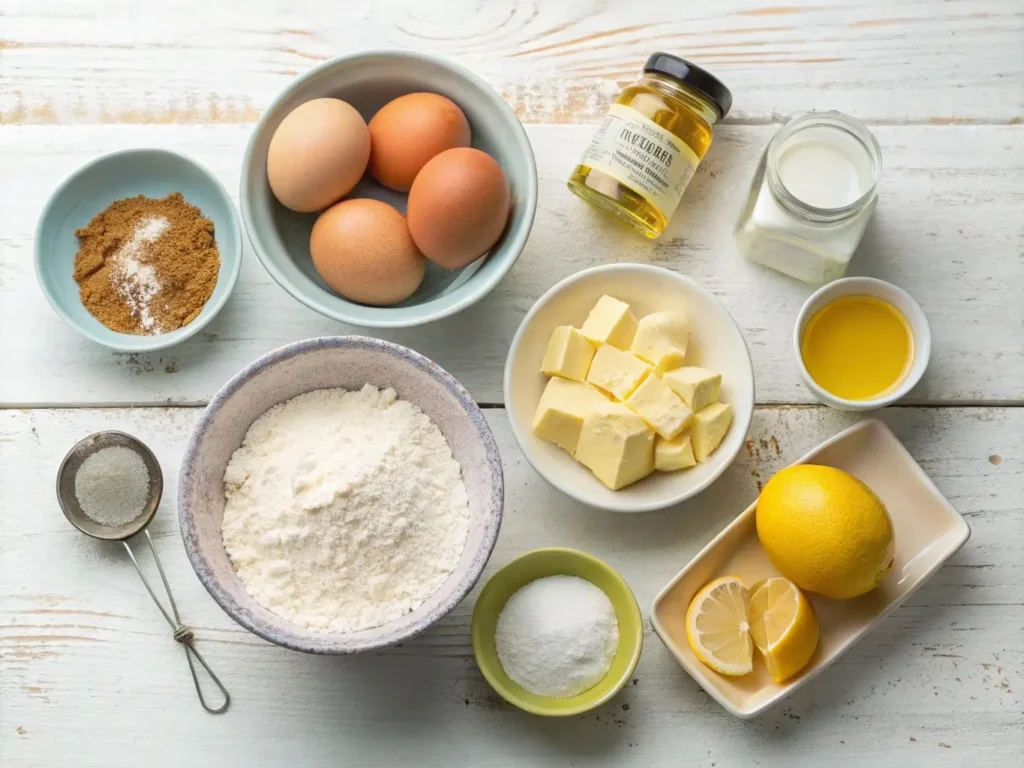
{"x": 857, "y": 347}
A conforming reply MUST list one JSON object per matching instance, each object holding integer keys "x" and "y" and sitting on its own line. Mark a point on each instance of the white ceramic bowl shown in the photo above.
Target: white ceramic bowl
{"x": 716, "y": 343}
{"x": 348, "y": 362}
{"x": 867, "y": 286}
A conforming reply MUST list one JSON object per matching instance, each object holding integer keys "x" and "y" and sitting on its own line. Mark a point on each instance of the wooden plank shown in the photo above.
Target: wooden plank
{"x": 190, "y": 61}
{"x": 948, "y": 228}
{"x": 89, "y": 671}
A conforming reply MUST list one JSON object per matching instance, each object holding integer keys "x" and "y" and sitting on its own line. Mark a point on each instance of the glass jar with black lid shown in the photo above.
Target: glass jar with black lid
{"x": 651, "y": 142}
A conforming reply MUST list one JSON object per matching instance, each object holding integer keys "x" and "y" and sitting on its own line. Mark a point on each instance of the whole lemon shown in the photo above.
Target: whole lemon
{"x": 825, "y": 531}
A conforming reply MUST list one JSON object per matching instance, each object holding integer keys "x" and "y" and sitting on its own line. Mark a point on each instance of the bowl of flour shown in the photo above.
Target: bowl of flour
{"x": 340, "y": 495}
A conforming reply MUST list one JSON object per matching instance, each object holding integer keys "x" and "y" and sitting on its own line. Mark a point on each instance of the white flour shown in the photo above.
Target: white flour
{"x": 344, "y": 510}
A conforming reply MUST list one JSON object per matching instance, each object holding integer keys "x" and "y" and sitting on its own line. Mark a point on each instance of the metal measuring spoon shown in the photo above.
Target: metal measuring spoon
{"x": 73, "y": 512}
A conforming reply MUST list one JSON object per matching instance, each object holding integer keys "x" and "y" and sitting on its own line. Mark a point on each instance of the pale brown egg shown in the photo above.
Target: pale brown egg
{"x": 458, "y": 207}
{"x": 317, "y": 154}
{"x": 410, "y": 130}
{"x": 362, "y": 249}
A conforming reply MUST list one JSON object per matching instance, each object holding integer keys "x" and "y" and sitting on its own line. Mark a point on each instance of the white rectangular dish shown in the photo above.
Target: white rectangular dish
{"x": 927, "y": 529}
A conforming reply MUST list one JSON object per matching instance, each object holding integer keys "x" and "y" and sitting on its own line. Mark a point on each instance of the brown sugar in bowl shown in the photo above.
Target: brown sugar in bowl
{"x": 155, "y": 173}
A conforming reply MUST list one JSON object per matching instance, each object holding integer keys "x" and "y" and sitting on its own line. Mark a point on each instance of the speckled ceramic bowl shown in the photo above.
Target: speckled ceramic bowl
{"x": 348, "y": 362}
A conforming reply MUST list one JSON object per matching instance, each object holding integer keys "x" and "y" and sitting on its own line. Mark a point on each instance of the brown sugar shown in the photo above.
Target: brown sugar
{"x": 147, "y": 266}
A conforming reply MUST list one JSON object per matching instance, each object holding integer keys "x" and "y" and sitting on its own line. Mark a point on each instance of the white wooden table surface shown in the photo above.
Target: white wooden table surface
{"x": 89, "y": 675}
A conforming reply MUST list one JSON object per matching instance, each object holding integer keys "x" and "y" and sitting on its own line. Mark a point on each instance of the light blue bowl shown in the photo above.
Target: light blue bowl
{"x": 368, "y": 81}
{"x": 89, "y": 191}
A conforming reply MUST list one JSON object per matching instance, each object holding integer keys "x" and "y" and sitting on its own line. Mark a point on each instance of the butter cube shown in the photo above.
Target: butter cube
{"x": 617, "y": 445}
{"x": 709, "y": 427}
{"x": 661, "y": 340}
{"x": 698, "y": 387}
{"x": 568, "y": 354}
{"x": 671, "y": 455}
{"x": 616, "y": 371}
{"x": 562, "y": 409}
{"x": 660, "y": 407}
{"x": 610, "y": 322}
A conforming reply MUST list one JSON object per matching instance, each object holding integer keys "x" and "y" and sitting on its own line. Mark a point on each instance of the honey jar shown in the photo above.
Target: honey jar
{"x": 650, "y": 143}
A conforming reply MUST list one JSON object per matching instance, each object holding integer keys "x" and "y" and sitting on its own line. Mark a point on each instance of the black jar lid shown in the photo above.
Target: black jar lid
{"x": 699, "y": 79}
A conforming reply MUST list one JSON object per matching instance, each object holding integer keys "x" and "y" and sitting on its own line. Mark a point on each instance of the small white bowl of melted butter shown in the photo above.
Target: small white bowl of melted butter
{"x": 629, "y": 387}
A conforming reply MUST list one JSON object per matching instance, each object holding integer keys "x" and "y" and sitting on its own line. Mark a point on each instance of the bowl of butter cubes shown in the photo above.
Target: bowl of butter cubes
{"x": 629, "y": 387}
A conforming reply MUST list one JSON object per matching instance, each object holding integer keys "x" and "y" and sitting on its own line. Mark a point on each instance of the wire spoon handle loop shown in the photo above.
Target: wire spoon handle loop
{"x": 182, "y": 633}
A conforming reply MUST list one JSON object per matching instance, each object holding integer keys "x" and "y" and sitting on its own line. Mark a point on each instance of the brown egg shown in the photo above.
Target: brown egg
{"x": 317, "y": 154}
{"x": 408, "y": 131}
{"x": 362, "y": 249}
{"x": 458, "y": 207}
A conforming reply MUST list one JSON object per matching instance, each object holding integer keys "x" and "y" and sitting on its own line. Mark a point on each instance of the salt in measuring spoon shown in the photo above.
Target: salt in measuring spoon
{"x": 73, "y": 512}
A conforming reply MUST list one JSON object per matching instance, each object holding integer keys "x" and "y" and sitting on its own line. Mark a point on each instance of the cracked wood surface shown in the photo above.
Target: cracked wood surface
{"x": 89, "y": 667}
{"x": 190, "y": 61}
{"x": 88, "y": 671}
{"x": 948, "y": 228}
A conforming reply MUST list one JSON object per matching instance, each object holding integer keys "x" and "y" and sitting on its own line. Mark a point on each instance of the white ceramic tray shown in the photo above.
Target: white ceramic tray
{"x": 928, "y": 532}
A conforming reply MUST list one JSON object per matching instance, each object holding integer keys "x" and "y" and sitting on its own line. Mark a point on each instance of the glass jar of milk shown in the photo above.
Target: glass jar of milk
{"x": 812, "y": 196}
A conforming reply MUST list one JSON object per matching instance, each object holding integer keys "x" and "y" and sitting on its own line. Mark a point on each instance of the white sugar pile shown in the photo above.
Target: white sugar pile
{"x": 137, "y": 281}
{"x": 112, "y": 486}
{"x": 557, "y": 636}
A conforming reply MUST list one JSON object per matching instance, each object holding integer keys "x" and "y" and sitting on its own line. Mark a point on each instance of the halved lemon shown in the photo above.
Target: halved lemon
{"x": 784, "y": 627}
{"x": 717, "y": 628}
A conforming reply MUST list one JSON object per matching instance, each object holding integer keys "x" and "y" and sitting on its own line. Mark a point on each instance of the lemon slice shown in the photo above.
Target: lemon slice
{"x": 784, "y": 627}
{"x": 717, "y": 629}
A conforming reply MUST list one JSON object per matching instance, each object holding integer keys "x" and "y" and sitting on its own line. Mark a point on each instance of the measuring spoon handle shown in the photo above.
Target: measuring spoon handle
{"x": 190, "y": 651}
{"x": 182, "y": 633}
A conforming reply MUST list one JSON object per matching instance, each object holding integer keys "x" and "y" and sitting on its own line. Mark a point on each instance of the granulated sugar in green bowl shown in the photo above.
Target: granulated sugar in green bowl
{"x": 555, "y": 562}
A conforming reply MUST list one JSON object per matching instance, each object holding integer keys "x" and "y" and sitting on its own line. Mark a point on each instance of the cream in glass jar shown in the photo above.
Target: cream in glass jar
{"x": 813, "y": 193}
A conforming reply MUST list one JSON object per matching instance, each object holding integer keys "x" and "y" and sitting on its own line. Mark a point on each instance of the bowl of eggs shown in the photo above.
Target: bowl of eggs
{"x": 388, "y": 189}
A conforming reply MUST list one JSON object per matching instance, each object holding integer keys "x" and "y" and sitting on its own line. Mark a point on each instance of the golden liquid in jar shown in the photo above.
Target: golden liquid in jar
{"x": 674, "y": 108}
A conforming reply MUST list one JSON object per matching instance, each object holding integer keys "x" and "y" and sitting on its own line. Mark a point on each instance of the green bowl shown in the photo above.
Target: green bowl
{"x": 537, "y": 564}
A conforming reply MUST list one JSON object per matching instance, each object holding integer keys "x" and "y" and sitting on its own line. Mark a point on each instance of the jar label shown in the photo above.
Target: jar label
{"x": 640, "y": 154}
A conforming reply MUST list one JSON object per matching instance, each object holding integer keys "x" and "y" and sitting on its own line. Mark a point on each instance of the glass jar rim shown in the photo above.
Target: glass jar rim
{"x": 831, "y": 119}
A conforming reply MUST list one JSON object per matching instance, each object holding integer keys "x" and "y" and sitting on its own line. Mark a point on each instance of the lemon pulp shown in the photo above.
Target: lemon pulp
{"x": 784, "y": 627}
{"x": 717, "y": 629}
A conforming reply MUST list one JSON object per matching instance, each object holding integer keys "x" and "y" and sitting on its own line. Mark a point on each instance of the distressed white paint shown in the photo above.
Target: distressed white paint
{"x": 88, "y": 674}
{"x": 948, "y": 228}
{"x": 92, "y": 678}
{"x": 555, "y": 60}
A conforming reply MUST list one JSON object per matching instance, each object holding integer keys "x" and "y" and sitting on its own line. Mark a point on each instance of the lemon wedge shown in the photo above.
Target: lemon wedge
{"x": 717, "y": 628}
{"x": 783, "y": 626}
